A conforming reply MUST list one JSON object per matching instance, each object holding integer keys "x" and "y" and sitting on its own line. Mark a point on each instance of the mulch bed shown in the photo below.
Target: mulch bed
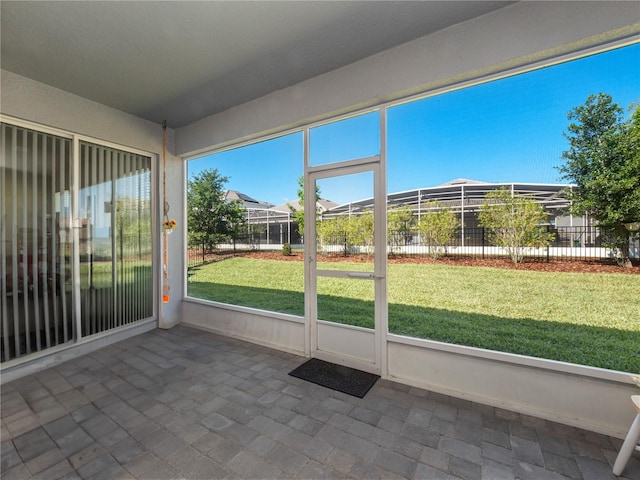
{"x": 556, "y": 265}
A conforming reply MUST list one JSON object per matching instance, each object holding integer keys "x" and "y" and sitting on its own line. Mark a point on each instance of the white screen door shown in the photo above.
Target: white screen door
{"x": 345, "y": 264}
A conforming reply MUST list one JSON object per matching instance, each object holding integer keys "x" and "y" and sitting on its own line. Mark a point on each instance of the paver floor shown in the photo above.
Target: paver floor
{"x": 182, "y": 403}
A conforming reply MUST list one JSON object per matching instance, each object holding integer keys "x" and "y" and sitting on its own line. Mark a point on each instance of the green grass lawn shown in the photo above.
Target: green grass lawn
{"x": 589, "y": 319}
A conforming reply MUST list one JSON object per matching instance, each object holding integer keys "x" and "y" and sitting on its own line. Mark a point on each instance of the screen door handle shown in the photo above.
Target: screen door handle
{"x": 360, "y": 275}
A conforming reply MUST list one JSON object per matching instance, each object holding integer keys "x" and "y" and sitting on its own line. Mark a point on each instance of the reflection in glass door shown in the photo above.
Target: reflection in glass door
{"x": 115, "y": 244}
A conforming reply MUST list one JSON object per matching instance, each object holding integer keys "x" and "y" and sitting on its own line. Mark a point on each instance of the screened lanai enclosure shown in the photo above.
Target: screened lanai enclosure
{"x": 63, "y": 279}
{"x": 269, "y": 227}
{"x": 86, "y": 88}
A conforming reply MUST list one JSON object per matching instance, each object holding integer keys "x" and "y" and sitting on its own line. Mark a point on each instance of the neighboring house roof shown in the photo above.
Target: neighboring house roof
{"x": 258, "y": 209}
{"x": 322, "y": 204}
{"x": 462, "y": 181}
{"x": 247, "y": 201}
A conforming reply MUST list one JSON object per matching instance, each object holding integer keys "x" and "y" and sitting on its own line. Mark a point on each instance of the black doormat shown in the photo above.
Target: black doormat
{"x": 336, "y": 377}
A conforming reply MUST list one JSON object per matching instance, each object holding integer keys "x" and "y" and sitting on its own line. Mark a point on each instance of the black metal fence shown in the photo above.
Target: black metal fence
{"x": 569, "y": 243}
{"x": 246, "y": 242}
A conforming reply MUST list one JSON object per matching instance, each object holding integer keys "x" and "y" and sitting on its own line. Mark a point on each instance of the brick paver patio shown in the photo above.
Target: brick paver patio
{"x": 187, "y": 404}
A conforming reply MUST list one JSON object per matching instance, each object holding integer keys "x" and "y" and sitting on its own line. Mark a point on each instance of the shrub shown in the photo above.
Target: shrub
{"x": 514, "y": 223}
{"x": 437, "y": 228}
{"x": 400, "y": 225}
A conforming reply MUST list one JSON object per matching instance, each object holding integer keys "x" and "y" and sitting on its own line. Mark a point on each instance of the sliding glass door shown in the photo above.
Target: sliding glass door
{"x": 115, "y": 238}
{"x": 75, "y": 240}
{"x": 35, "y": 248}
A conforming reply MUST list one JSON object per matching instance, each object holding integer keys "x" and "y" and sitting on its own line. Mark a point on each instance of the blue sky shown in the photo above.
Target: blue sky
{"x": 509, "y": 130}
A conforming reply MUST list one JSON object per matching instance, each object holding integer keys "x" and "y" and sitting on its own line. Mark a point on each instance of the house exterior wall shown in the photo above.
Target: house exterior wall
{"x": 31, "y": 101}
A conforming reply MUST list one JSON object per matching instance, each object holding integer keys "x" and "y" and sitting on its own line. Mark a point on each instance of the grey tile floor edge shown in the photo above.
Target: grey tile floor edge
{"x": 182, "y": 403}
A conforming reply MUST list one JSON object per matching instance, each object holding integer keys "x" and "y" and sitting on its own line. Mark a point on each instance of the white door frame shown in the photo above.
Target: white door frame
{"x": 377, "y": 165}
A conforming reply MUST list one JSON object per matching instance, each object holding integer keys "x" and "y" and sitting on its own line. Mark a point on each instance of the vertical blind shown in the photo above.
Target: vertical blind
{"x": 39, "y": 247}
{"x": 34, "y": 241}
{"x": 115, "y": 238}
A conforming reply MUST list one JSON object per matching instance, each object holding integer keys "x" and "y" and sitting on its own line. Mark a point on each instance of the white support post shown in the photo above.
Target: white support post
{"x": 462, "y": 214}
{"x": 631, "y": 440}
{"x": 75, "y": 235}
{"x": 628, "y": 447}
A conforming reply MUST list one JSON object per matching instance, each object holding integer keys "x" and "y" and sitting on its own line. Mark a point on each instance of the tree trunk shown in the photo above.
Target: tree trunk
{"x": 623, "y": 235}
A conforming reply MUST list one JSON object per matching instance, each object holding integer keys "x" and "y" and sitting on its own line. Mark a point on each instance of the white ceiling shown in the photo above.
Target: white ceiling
{"x": 185, "y": 60}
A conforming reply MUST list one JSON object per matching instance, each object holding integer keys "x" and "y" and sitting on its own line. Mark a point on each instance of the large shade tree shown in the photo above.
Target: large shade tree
{"x": 603, "y": 161}
{"x": 211, "y": 218}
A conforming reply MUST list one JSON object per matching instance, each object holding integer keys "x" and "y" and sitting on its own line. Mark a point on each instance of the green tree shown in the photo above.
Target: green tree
{"x": 347, "y": 232}
{"x": 437, "y": 227}
{"x": 603, "y": 161}
{"x": 514, "y": 222}
{"x": 298, "y": 215}
{"x": 335, "y": 232}
{"x": 400, "y": 225}
{"x": 210, "y": 218}
{"x": 361, "y": 230}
